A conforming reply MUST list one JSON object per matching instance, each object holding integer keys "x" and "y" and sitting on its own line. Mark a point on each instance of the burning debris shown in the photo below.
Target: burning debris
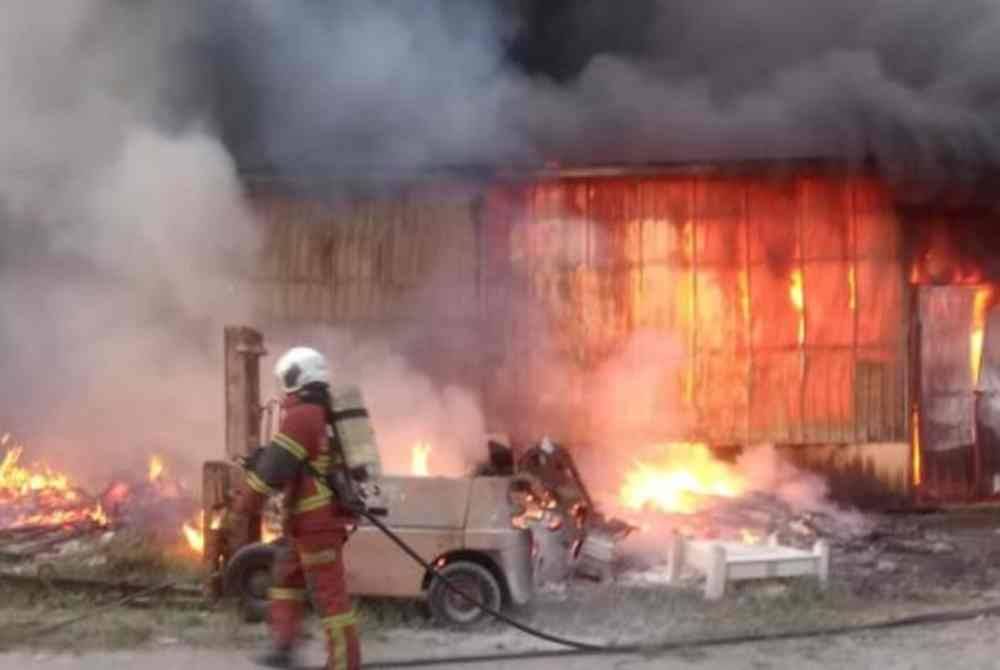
{"x": 43, "y": 509}
{"x": 36, "y": 497}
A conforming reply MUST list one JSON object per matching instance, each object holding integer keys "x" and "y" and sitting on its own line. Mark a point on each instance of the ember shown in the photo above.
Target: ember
{"x": 678, "y": 481}
{"x": 420, "y": 457}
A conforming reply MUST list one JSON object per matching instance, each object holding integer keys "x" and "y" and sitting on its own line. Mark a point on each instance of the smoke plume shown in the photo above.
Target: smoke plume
{"x": 390, "y": 82}
{"x": 121, "y": 218}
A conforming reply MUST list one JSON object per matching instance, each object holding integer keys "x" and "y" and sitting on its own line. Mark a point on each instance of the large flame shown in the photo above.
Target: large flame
{"x": 678, "y": 482}
{"x": 420, "y": 460}
{"x": 40, "y": 496}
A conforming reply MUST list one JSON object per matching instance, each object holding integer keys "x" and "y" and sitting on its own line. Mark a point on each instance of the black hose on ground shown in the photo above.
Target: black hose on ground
{"x": 662, "y": 648}
{"x": 577, "y": 648}
{"x": 500, "y": 616}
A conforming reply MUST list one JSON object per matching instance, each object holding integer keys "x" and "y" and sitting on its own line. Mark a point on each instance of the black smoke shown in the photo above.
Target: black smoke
{"x": 330, "y": 86}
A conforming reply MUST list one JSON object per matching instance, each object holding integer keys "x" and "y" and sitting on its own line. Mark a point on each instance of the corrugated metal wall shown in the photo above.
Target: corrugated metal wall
{"x": 583, "y": 265}
{"x": 363, "y": 261}
{"x": 711, "y": 264}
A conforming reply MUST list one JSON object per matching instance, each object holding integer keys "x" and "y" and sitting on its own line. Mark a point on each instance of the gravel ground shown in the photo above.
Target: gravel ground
{"x": 972, "y": 645}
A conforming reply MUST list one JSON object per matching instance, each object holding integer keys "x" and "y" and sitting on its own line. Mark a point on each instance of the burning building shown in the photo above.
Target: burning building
{"x": 820, "y": 308}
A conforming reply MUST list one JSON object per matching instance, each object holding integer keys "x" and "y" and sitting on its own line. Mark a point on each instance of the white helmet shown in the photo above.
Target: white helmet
{"x": 300, "y": 367}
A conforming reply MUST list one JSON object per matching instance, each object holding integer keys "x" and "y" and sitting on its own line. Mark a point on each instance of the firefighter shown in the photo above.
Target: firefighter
{"x": 316, "y": 526}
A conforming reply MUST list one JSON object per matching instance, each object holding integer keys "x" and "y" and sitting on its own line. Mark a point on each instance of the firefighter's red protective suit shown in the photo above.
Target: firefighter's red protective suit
{"x": 315, "y": 527}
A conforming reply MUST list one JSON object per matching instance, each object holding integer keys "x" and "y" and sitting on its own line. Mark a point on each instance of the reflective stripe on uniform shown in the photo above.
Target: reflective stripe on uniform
{"x": 340, "y": 620}
{"x": 318, "y": 558}
{"x": 286, "y": 594}
{"x": 323, "y": 496}
{"x": 338, "y": 649}
{"x": 313, "y": 502}
{"x": 335, "y": 626}
{"x": 290, "y": 445}
{"x": 259, "y": 485}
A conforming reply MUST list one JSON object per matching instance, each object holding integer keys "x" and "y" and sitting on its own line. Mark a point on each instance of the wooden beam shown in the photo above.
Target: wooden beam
{"x": 244, "y": 347}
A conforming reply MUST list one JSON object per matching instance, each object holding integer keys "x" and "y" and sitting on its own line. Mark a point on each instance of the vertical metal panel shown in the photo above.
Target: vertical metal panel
{"x": 946, "y": 382}
{"x": 365, "y": 260}
{"x": 696, "y": 274}
{"x": 988, "y": 408}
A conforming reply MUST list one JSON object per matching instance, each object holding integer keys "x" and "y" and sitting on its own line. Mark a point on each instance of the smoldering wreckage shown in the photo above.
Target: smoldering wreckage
{"x": 521, "y": 520}
{"x": 656, "y": 321}
{"x": 882, "y": 409}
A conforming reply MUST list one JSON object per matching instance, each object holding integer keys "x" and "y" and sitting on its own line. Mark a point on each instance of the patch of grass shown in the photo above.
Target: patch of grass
{"x": 122, "y": 628}
{"x": 131, "y": 555}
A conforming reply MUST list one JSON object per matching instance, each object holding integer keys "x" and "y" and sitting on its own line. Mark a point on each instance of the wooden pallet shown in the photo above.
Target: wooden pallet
{"x": 723, "y": 562}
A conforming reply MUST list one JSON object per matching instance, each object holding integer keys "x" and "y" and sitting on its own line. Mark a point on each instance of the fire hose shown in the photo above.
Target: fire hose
{"x": 500, "y": 616}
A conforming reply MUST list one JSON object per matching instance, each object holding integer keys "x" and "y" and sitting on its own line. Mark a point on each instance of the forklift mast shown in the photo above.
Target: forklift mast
{"x": 222, "y": 480}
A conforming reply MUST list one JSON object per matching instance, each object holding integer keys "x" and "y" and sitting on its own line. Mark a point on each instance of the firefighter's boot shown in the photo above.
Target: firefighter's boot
{"x": 280, "y": 656}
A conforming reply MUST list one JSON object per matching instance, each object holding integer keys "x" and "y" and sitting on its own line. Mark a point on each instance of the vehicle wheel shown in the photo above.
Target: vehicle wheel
{"x": 450, "y": 608}
{"x": 248, "y": 578}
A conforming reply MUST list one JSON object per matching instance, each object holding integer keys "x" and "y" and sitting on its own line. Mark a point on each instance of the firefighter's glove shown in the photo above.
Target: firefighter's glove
{"x": 249, "y": 462}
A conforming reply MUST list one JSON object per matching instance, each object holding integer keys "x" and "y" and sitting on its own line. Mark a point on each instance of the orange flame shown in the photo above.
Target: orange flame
{"x": 194, "y": 533}
{"x": 797, "y": 294}
{"x": 918, "y": 474}
{"x": 155, "y": 468}
{"x": 420, "y": 459}
{"x": 49, "y": 496}
{"x": 677, "y": 482}
{"x": 852, "y": 284}
{"x": 269, "y": 533}
{"x": 981, "y": 304}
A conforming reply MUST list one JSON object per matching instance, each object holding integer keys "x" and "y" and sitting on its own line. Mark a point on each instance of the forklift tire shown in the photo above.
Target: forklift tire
{"x": 249, "y": 575}
{"x": 451, "y": 609}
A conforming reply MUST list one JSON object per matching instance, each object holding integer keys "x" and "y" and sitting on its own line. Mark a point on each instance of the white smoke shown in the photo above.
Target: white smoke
{"x": 121, "y": 221}
{"x": 408, "y": 406}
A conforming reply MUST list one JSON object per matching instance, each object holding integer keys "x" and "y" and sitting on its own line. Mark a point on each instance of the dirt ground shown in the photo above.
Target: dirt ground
{"x": 912, "y": 564}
